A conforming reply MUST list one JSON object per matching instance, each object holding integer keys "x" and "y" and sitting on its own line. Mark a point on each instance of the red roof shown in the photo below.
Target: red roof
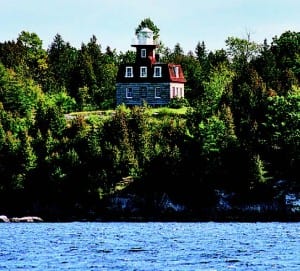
{"x": 176, "y": 73}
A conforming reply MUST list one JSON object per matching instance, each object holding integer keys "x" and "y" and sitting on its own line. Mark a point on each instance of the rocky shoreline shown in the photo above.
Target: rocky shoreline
{"x": 132, "y": 207}
{"x": 4, "y": 218}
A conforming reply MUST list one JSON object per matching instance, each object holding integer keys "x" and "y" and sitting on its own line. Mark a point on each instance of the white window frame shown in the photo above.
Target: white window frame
{"x": 156, "y": 91}
{"x": 143, "y": 71}
{"x": 129, "y": 93}
{"x": 173, "y": 92}
{"x": 157, "y": 71}
{"x": 143, "y": 53}
{"x": 176, "y": 71}
{"x": 128, "y": 71}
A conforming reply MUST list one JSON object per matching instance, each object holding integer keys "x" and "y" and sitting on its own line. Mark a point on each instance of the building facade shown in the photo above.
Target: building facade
{"x": 148, "y": 81}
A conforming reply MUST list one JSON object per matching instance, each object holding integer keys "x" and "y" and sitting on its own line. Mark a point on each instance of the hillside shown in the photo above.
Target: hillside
{"x": 236, "y": 141}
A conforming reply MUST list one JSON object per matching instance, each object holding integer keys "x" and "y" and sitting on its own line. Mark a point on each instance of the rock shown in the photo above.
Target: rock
{"x": 292, "y": 201}
{"x": 3, "y": 218}
{"x": 26, "y": 219}
{"x": 167, "y": 204}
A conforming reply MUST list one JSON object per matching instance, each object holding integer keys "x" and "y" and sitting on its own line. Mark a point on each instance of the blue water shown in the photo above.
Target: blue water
{"x": 150, "y": 246}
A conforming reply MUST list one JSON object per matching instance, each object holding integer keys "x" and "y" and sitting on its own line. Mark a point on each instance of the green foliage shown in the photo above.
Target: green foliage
{"x": 62, "y": 100}
{"x": 17, "y": 89}
{"x": 283, "y": 120}
{"x": 62, "y": 60}
{"x": 237, "y": 129}
{"x": 178, "y": 103}
{"x": 258, "y": 174}
{"x": 242, "y": 49}
{"x": 286, "y": 49}
{"x": 147, "y": 22}
{"x": 34, "y": 62}
{"x": 127, "y": 57}
{"x": 212, "y": 135}
{"x": 219, "y": 82}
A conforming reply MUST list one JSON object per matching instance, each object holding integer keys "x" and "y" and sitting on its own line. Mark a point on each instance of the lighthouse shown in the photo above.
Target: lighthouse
{"x": 147, "y": 80}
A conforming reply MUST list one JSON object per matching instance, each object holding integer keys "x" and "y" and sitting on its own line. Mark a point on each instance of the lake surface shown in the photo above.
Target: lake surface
{"x": 150, "y": 246}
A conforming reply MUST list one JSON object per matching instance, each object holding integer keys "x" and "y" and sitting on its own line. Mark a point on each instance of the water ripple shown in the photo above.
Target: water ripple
{"x": 150, "y": 246}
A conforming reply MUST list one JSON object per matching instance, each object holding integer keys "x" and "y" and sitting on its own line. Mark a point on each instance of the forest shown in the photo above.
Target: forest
{"x": 240, "y": 130}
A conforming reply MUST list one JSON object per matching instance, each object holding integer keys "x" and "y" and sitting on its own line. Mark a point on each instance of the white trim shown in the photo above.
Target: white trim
{"x": 176, "y": 71}
{"x": 143, "y": 71}
{"x": 176, "y": 90}
{"x": 128, "y": 71}
{"x": 143, "y": 53}
{"x": 129, "y": 94}
{"x": 157, "y": 89}
{"x": 157, "y": 71}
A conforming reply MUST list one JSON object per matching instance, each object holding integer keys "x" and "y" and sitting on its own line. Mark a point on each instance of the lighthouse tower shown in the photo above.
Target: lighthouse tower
{"x": 145, "y": 47}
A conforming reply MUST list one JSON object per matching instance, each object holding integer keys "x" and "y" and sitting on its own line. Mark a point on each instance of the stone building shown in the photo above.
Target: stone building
{"x": 148, "y": 80}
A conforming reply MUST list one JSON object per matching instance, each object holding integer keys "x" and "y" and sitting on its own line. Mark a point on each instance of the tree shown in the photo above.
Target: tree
{"x": 286, "y": 50}
{"x": 210, "y": 100}
{"x": 95, "y": 76}
{"x": 19, "y": 95}
{"x": 127, "y": 57}
{"x": 35, "y": 56}
{"x": 195, "y": 77}
{"x": 241, "y": 51}
{"x": 62, "y": 58}
{"x": 12, "y": 54}
{"x": 265, "y": 64}
{"x": 147, "y": 22}
{"x": 281, "y": 133}
{"x": 242, "y": 48}
{"x": 217, "y": 58}
{"x": 202, "y": 57}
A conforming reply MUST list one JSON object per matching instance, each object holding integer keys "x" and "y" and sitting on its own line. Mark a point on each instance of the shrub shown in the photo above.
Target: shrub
{"x": 178, "y": 103}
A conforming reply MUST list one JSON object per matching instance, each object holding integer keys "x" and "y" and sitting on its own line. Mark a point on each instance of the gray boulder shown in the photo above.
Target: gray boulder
{"x": 26, "y": 219}
{"x": 3, "y": 218}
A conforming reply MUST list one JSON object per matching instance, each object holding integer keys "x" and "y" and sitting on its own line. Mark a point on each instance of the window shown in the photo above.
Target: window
{"x": 173, "y": 92}
{"x": 143, "y": 53}
{"x": 143, "y": 71}
{"x": 157, "y": 71}
{"x": 157, "y": 93}
{"x": 176, "y": 71}
{"x": 129, "y": 72}
{"x": 143, "y": 92}
{"x": 128, "y": 93}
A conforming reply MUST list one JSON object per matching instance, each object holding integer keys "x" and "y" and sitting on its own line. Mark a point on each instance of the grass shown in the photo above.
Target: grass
{"x": 155, "y": 112}
{"x": 88, "y": 113}
{"x": 166, "y": 111}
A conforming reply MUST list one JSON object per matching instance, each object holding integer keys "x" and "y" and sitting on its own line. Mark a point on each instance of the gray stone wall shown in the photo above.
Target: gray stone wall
{"x": 139, "y": 98}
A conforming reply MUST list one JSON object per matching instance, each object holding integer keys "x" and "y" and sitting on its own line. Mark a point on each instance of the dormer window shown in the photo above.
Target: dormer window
{"x": 129, "y": 72}
{"x": 176, "y": 71}
{"x": 143, "y": 71}
{"x": 157, "y": 72}
{"x": 143, "y": 53}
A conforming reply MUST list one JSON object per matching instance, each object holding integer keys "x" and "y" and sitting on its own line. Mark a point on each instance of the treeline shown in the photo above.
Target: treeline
{"x": 241, "y": 132}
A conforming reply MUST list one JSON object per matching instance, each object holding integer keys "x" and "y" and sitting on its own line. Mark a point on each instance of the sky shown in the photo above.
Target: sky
{"x": 113, "y": 22}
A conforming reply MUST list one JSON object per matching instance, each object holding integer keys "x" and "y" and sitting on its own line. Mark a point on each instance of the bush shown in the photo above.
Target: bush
{"x": 178, "y": 103}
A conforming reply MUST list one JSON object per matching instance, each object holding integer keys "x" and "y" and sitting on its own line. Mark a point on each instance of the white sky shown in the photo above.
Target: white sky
{"x": 113, "y": 22}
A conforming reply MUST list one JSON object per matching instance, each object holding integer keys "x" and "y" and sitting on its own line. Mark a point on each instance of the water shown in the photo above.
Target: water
{"x": 150, "y": 246}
